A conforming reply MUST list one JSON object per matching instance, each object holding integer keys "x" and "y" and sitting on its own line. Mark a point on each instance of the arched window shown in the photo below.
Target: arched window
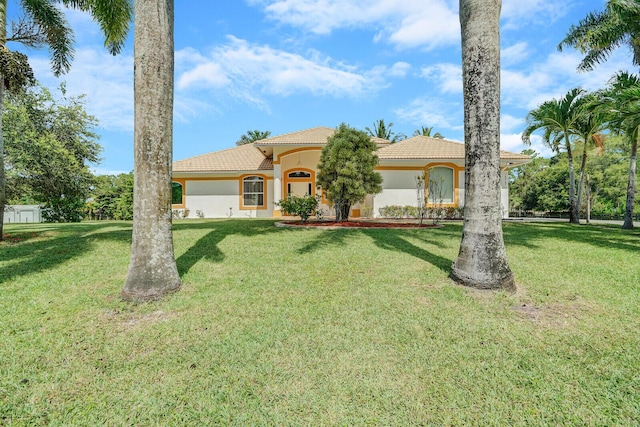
{"x": 440, "y": 185}
{"x": 299, "y": 174}
{"x": 253, "y": 191}
{"x": 176, "y": 193}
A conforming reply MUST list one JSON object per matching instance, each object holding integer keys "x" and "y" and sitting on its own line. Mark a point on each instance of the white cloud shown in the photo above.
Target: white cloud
{"x": 554, "y": 77}
{"x": 249, "y": 71}
{"x": 428, "y": 23}
{"x": 432, "y": 112}
{"x": 106, "y": 80}
{"x": 513, "y": 142}
{"x": 431, "y": 25}
{"x": 514, "y": 53}
{"x": 448, "y": 77}
{"x": 208, "y": 74}
{"x": 509, "y": 122}
{"x": 399, "y": 69}
{"x": 515, "y": 12}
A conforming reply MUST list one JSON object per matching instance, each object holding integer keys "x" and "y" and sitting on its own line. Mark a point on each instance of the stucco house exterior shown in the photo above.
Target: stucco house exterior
{"x": 245, "y": 181}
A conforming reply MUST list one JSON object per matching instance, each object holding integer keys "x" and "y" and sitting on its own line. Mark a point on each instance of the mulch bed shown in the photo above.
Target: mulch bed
{"x": 356, "y": 224}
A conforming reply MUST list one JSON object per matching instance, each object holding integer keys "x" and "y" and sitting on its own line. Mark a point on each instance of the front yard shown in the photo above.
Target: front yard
{"x": 277, "y": 326}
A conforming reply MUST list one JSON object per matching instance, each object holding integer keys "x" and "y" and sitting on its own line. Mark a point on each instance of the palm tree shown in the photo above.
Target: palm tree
{"x": 152, "y": 267}
{"x": 587, "y": 128}
{"x": 382, "y": 130}
{"x": 44, "y": 25}
{"x": 600, "y": 33}
{"x": 622, "y": 104}
{"x": 426, "y": 131}
{"x": 253, "y": 136}
{"x": 557, "y": 118}
{"x": 482, "y": 259}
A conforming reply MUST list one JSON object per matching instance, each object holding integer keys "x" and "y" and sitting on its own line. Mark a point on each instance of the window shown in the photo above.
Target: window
{"x": 300, "y": 174}
{"x": 176, "y": 193}
{"x": 253, "y": 191}
{"x": 440, "y": 185}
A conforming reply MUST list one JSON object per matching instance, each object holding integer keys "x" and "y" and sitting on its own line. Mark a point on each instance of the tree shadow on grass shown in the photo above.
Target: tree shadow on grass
{"x": 207, "y": 246}
{"x": 603, "y": 236}
{"x": 330, "y": 238}
{"x": 390, "y": 240}
{"x": 50, "y": 245}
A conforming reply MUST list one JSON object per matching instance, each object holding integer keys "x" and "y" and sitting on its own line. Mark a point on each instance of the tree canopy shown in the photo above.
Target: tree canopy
{"x": 542, "y": 184}
{"x": 253, "y": 136}
{"x": 50, "y": 144}
{"x": 383, "y": 130}
{"x": 347, "y": 169}
{"x": 111, "y": 197}
{"x": 44, "y": 25}
{"x": 427, "y": 131}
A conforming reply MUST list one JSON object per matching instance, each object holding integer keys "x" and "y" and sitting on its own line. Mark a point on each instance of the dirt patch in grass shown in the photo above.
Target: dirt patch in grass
{"x": 130, "y": 319}
{"x": 554, "y": 315}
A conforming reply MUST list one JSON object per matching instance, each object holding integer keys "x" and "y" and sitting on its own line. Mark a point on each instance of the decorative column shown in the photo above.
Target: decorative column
{"x": 277, "y": 190}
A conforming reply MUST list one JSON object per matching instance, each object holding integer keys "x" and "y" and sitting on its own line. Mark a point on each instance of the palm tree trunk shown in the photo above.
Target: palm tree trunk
{"x": 587, "y": 191}
{"x": 3, "y": 179}
{"x": 482, "y": 259}
{"x": 631, "y": 185}
{"x": 152, "y": 268}
{"x": 573, "y": 208}
{"x": 583, "y": 165}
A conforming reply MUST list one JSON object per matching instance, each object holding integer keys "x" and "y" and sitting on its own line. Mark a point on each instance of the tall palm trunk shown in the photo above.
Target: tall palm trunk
{"x": 631, "y": 184}
{"x": 482, "y": 260}
{"x": 3, "y": 179}
{"x": 573, "y": 207}
{"x": 583, "y": 166}
{"x": 152, "y": 268}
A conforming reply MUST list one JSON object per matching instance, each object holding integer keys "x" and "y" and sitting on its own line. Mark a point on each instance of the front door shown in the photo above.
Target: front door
{"x": 299, "y": 183}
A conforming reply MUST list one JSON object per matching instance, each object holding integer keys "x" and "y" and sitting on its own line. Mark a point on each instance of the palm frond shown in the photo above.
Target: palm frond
{"x": 113, "y": 16}
{"x": 56, "y": 31}
{"x": 600, "y": 33}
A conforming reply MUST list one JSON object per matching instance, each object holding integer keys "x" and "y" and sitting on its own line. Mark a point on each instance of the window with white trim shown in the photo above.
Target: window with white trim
{"x": 253, "y": 191}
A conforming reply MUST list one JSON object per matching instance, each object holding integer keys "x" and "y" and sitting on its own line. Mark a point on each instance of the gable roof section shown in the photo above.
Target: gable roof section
{"x": 313, "y": 136}
{"x": 243, "y": 158}
{"x": 424, "y": 147}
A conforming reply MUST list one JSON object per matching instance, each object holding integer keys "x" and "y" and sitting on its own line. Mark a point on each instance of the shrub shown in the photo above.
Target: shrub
{"x": 180, "y": 213}
{"x": 303, "y": 207}
{"x": 391, "y": 211}
{"x": 399, "y": 212}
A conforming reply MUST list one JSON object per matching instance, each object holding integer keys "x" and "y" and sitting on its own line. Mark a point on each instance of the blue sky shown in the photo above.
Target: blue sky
{"x": 288, "y": 65}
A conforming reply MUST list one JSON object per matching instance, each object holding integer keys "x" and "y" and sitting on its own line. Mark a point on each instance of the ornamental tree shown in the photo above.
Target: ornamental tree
{"x": 347, "y": 169}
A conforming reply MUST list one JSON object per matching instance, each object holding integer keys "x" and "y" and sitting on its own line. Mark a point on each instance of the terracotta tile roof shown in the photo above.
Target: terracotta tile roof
{"x": 243, "y": 158}
{"x": 313, "y": 136}
{"x": 424, "y": 147}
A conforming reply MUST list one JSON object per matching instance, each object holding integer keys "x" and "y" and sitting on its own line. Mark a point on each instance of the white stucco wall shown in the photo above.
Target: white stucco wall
{"x": 461, "y": 189}
{"x": 398, "y": 188}
{"x": 221, "y": 199}
{"x": 504, "y": 193}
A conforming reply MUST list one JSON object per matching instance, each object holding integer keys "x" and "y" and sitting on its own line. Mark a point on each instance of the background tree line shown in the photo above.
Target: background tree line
{"x": 49, "y": 149}
{"x": 542, "y": 185}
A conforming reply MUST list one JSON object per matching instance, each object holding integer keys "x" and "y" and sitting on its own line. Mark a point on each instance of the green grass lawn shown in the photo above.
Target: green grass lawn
{"x": 297, "y": 327}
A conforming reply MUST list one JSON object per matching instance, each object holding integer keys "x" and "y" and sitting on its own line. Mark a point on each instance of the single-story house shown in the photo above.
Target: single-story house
{"x": 245, "y": 181}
